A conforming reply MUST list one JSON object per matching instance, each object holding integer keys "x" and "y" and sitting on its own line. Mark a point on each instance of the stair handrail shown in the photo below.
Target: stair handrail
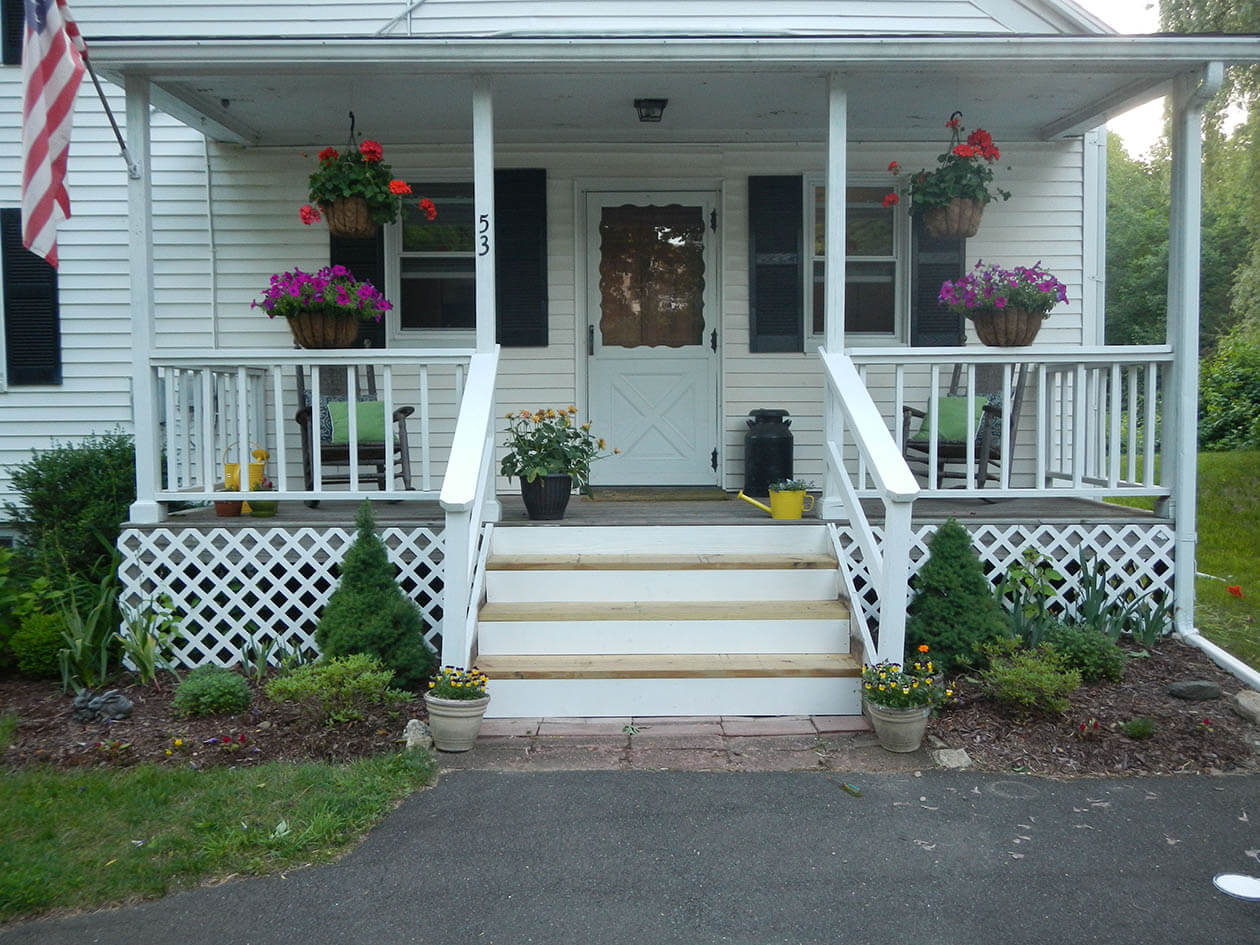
{"x": 888, "y": 566}
{"x": 468, "y": 480}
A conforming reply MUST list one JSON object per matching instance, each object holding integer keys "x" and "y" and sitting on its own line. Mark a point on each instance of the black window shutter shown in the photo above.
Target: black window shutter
{"x": 520, "y": 232}
{"x": 776, "y": 264}
{"x": 14, "y": 27}
{"x": 366, "y": 259}
{"x": 32, "y": 323}
{"x": 935, "y": 261}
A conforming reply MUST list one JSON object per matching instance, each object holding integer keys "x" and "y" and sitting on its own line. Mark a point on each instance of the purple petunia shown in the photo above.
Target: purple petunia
{"x": 332, "y": 290}
{"x": 991, "y": 287}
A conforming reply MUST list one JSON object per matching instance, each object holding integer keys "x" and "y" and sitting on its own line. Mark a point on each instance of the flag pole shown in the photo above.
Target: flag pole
{"x": 133, "y": 171}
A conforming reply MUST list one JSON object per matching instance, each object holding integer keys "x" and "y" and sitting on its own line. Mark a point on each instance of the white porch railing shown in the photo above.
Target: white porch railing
{"x": 1086, "y": 420}
{"x": 467, "y": 490}
{"x": 888, "y": 566}
{"x": 218, "y": 406}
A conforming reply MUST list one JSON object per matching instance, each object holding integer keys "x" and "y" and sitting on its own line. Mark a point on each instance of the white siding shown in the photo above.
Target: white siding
{"x": 140, "y": 18}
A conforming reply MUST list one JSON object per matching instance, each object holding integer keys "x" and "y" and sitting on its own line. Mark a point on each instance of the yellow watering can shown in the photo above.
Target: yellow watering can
{"x": 232, "y": 472}
{"x": 785, "y": 504}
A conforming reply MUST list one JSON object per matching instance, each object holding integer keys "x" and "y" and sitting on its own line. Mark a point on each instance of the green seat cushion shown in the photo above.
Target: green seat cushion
{"x": 370, "y": 415}
{"x": 952, "y": 418}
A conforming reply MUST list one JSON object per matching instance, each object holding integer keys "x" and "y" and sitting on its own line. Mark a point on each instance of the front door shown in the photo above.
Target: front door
{"x": 652, "y": 337}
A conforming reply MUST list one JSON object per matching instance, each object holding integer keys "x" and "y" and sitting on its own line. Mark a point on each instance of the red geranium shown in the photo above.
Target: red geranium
{"x": 399, "y": 187}
{"x": 328, "y": 154}
{"x": 309, "y": 214}
{"x": 428, "y": 208}
{"x": 891, "y": 200}
{"x": 371, "y": 151}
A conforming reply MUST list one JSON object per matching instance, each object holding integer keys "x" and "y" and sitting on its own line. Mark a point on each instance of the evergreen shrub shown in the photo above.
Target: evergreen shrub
{"x": 953, "y": 610}
{"x": 369, "y": 613}
{"x": 337, "y": 690}
{"x": 1086, "y": 650}
{"x": 36, "y": 645}
{"x": 1229, "y": 397}
{"x": 211, "y": 690}
{"x": 1024, "y": 681}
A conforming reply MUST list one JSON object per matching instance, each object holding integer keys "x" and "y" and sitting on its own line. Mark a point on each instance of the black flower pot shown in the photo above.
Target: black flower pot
{"x": 547, "y": 497}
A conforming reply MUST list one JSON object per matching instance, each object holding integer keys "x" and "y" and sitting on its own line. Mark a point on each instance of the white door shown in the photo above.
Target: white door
{"x": 652, "y": 337}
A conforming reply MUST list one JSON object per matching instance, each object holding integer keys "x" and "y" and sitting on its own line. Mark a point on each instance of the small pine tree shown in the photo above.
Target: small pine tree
{"x": 369, "y": 613}
{"x": 954, "y": 610}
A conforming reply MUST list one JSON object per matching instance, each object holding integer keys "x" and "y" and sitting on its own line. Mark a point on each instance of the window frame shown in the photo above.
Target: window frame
{"x": 900, "y": 334}
{"x": 395, "y": 335}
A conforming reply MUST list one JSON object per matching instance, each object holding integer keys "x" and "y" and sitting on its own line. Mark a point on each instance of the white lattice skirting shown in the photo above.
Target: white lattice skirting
{"x": 269, "y": 583}
{"x": 1138, "y": 557}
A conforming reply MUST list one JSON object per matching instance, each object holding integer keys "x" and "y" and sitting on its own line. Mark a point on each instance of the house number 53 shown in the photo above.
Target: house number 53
{"x": 483, "y": 234}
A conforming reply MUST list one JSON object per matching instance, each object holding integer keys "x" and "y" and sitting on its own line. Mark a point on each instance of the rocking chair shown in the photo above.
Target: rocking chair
{"x": 325, "y": 425}
{"x": 952, "y": 417}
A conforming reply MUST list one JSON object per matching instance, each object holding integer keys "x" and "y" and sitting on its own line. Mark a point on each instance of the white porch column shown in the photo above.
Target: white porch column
{"x": 1190, "y": 94}
{"x": 833, "y": 260}
{"x": 483, "y": 202}
{"x": 144, "y": 419}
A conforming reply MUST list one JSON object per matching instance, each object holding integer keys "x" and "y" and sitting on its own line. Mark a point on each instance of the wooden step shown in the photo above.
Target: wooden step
{"x": 658, "y": 562}
{"x": 783, "y": 584}
{"x": 535, "y": 611}
{"x": 770, "y": 538}
{"x": 670, "y": 666}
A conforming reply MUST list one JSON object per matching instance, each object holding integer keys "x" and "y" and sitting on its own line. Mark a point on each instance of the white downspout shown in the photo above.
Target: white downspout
{"x": 145, "y": 510}
{"x": 1191, "y": 94}
{"x": 833, "y": 262}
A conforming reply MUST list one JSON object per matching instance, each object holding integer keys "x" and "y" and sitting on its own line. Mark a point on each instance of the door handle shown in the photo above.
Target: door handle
{"x": 590, "y": 340}
{"x": 713, "y": 340}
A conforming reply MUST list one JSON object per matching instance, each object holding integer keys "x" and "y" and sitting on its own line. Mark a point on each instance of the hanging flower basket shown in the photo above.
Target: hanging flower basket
{"x": 320, "y": 330}
{"x": 1007, "y": 328}
{"x": 958, "y": 219}
{"x": 349, "y": 216}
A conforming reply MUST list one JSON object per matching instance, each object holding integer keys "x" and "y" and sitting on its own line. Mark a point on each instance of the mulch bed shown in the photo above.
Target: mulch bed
{"x": 1189, "y": 736}
{"x": 47, "y": 732}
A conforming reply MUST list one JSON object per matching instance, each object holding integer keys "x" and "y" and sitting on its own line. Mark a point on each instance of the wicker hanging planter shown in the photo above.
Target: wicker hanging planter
{"x": 349, "y": 216}
{"x": 958, "y": 219}
{"x": 1010, "y": 327}
{"x": 317, "y": 330}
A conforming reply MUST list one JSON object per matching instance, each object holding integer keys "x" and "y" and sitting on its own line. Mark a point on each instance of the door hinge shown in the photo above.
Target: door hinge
{"x": 713, "y": 220}
{"x": 713, "y": 459}
{"x": 713, "y": 340}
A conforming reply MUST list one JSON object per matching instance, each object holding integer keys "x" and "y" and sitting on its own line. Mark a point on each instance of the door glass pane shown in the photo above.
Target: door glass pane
{"x": 651, "y": 276}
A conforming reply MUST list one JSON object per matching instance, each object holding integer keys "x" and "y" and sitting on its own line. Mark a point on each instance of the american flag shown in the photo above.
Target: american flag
{"x": 52, "y": 67}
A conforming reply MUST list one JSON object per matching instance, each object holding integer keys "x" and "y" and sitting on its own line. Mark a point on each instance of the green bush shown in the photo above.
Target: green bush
{"x": 1086, "y": 650}
{"x": 1138, "y": 729}
{"x": 953, "y": 610}
{"x": 73, "y": 501}
{"x": 369, "y": 613}
{"x": 37, "y": 643}
{"x": 1229, "y": 397}
{"x": 1028, "y": 680}
{"x": 338, "y": 689}
{"x": 211, "y": 690}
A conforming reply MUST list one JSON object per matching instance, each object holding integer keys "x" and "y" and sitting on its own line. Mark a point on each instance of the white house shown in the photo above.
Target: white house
{"x": 798, "y": 289}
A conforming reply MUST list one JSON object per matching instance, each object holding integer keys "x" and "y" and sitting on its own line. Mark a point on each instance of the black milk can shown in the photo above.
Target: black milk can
{"x": 767, "y": 450}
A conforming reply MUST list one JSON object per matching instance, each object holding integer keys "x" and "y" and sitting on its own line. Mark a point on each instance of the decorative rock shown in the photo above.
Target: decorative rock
{"x": 1246, "y": 702}
{"x": 1197, "y": 689}
{"x": 417, "y": 735}
{"x": 107, "y": 707}
{"x": 955, "y": 758}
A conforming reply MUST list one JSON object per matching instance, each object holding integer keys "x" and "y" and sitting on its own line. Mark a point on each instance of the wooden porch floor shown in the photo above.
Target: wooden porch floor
{"x": 586, "y": 511}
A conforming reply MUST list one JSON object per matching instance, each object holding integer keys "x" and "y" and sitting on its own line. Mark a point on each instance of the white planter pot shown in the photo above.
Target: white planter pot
{"x": 455, "y": 722}
{"x": 899, "y": 730}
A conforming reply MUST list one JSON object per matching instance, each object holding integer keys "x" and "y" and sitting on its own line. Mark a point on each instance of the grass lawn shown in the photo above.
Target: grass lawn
{"x": 74, "y": 840}
{"x": 1228, "y": 550}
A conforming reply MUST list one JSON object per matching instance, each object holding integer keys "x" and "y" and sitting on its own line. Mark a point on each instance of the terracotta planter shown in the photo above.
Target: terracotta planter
{"x": 317, "y": 330}
{"x": 547, "y": 497}
{"x": 958, "y": 219}
{"x": 899, "y": 730}
{"x": 1009, "y": 328}
{"x": 227, "y": 509}
{"x": 455, "y": 722}
{"x": 348, "y": 216}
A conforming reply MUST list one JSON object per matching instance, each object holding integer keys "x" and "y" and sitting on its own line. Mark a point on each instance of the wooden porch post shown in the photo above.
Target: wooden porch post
{"x": 483, "y": 196}
{"x": 144, "y": 423}
{"x": 1190, "y": 94}
{"x": 833, "y": 305}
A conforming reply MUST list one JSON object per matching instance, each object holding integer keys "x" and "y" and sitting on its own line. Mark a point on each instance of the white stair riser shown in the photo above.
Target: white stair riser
{"x": 573, "y": 637}
{"x": 696, "y": 585}
{"x": 663, "y": 539}
{"x": 595, "y": 698}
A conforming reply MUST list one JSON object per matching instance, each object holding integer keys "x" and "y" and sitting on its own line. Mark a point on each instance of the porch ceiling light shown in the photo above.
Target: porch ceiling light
{"x": 650, "y": 109}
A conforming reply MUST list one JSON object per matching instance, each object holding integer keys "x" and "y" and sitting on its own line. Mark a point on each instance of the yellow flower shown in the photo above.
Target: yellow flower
{"x": 601, "y": 443}
{"x": 915, "y": 684}
{"x": 948, "y": 693}
{"x": 551, "y": 414}
{"x": 905, "y": 691}
{"x": 432, "y": 683}
{"x": 572, "y": 409}
{"x": 179, "y": 743}
{"x": 168, "y": 753}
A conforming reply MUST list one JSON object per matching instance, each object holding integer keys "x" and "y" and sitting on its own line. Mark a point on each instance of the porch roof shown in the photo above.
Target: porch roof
{"x": 296, "y": 91}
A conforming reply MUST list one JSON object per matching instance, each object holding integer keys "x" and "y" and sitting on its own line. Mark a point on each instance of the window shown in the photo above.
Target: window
{"x": 32, "y": 333}
{"x": 874, "y": 271}
{"x": 433, "y": 266}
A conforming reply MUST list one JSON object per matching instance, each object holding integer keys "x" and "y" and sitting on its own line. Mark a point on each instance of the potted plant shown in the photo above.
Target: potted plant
{"x": 356, "y": 191}
{"x": 324, "y": 308}
{"x": 456, "y": 701}
{"x": 551, "y": 453}
{"x": 899, "y": 698}
{"x": 1007, "y": 306}
{"x": 263, "y": 508}
{"x": 952, "y": 197}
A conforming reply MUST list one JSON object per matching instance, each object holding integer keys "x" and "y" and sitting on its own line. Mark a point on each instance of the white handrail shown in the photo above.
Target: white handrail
{"x": 888, "y": 566}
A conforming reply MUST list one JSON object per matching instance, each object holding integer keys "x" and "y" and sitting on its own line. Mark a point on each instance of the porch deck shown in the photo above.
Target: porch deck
{"x": 584, "y": 510}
